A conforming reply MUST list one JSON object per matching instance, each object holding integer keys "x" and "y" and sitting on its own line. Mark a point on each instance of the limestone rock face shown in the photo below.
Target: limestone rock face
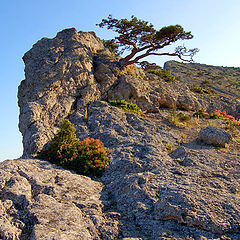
{"x": 155, "y": 190}
{"x": 58, "y": 72}
{"x": 41, "y": 201}
{"x": 146, "y": 193}
{"x": 69, "y": 71}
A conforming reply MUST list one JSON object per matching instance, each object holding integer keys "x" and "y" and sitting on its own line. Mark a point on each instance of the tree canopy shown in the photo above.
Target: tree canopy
{"x": 142, "y": 39}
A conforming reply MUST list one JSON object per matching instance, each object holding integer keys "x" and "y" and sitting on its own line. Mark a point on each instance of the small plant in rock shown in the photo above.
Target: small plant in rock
{"x": 170, "y": 147}
{"x": 202, "y": 89}
{"x": 158, "y": 195}
{"x": 217, "y": 114}
{"x": 126, "y": 106}
{"x": 179, "y": 119}
{"x": 183, "y": 117}
{"x": 88, "y": 157}
{"x": 201, "y": 114}
{"x": 65, "y": 136}
{"x": 163, "y": 73}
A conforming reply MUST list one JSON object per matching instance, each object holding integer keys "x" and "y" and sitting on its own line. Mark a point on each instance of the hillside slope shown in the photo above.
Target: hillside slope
{"x": 163, "y": 181}
{"x": 224, "y": 80}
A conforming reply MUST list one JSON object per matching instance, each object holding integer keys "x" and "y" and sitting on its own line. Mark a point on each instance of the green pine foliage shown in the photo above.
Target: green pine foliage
{"x": 126, "y": 106}
{"x": 88, "y": 157}
{"x": 141, "y": 39}
{"x": 112, "y": 46}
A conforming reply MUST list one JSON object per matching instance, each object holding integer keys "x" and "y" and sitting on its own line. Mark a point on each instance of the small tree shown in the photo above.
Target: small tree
{"x": 142, "y": 39}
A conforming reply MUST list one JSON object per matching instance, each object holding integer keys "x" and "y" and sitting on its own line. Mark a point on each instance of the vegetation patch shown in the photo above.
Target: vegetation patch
{"x": 112, "y": 46}
{"x": 181, "y": 119}
{"x": 201, "y": 114}
{"x": 170, "y": 147}
{"x": 126, "y": 106}
{"x": 217, "y": 114}
{"x": 202, "y": 89}
{"x": 164, "y": 74}
{"x": 131, "y": 70}
{"x": 88, "y": 157}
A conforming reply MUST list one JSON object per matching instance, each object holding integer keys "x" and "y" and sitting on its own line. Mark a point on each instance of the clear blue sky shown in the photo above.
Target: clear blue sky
{"x": 214, "y": 24}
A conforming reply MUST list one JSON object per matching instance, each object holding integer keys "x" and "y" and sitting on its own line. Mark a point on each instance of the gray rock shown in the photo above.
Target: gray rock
{"x": 41, "y": 201}
{"x": 215, "y": 136}
{"x": 58, "y": 71}
{"x": 214, "y": 78}
{"x": 69, "y": 71}
{"x": 145, "y": 193}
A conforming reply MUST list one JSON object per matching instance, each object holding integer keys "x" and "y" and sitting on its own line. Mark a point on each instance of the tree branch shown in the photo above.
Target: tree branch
{"x": 174, "y": 55}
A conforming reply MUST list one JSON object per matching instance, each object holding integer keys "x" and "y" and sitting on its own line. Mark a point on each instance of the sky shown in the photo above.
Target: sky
{"x": 214, "y": 24}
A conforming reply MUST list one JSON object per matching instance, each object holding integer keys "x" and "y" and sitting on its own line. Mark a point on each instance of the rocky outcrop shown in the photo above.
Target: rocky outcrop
{"x": 41, "y": 201}
{"x": 71, "y": 70}
{"x": 58, "y": 72}
{"x": 153, "y": 190}
{"x": 146, "y": 193}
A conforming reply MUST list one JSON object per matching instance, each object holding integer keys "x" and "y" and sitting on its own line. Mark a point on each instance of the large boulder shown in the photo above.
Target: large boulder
{"x": 215, "y": 136}
{"x": 59, "y": 73}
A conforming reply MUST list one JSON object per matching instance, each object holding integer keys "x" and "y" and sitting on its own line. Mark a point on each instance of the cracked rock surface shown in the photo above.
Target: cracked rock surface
{"x": 66, "y": 73}
{"x": 41, "y": 201}
{"x": 58, "y": 71}
{"x": 148, "y": 192}
{"x": 185, "y": 195}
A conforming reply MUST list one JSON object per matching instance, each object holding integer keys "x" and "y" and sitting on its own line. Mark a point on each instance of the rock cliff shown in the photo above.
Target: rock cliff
{"x": 66, "y": 73}
{"x": 163, "y": 182}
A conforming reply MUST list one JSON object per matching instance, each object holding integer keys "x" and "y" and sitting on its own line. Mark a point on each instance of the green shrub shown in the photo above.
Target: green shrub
{"x": 170, "y": 147}
{"x": 183, "y": 117}
{"x": 163, "y": 73}
{"x": 66, "y": 135}
{"x": 126, "y": 106}
{"x": 202, "y": 89}
{"x": 179, "y": 119}
{"x": 201, "y": 114}
{"x": 88, "y": 157}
